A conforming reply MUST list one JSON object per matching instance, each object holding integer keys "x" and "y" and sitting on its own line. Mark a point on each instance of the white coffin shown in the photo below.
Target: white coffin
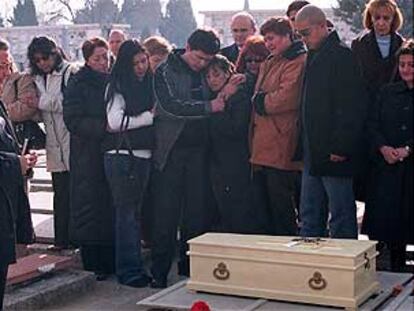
{"x": 326, "y": 272}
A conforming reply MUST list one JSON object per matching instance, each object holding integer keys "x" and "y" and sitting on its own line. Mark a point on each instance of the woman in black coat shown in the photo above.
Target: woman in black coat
{"x": 15, "y": 220}
{"x": 84, "y": 113}
{"x": 389, "y": 215}
{"x": 375, "y": 51}
{"x": 229, "y": 156}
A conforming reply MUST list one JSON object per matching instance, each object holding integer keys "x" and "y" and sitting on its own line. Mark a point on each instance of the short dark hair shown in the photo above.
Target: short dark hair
{"x": 296, "y": 6}
{"x": 4, "y": 45}
{"x": 407, "y": 48}
{"x": 205, "y": 40}
{"x": 89, "y": 46}
{"x": 45, "y": 46}
{"x": 281, "y": 26}
{"x": 221, "y": 62}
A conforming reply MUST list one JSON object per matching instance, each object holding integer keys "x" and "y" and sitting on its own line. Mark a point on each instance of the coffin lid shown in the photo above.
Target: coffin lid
{"x": 317, "y": 246}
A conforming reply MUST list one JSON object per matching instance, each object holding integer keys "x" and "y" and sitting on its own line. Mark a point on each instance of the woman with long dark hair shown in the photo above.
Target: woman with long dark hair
{"x": 128, "y": 148}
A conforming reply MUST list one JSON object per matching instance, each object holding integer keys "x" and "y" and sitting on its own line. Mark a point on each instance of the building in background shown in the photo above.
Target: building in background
{"x": 221, "y": 20}
{"x": 69, "y": 37}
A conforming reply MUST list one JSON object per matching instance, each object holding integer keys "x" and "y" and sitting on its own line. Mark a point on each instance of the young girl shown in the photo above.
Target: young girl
{"x": 389, "y": 215}
{"x": 128, "y": 155}
{"x": 229, "y": 159}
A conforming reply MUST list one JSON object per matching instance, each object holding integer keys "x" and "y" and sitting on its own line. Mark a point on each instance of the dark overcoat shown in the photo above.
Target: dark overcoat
{"x": 376, "y": 70}
{"x": 333, "y": 109}
{"x": 15, "y": 220}
{"x": 84, "y": 113}
{"x": 229, "y": 163}
{"x": 389, "y": 212}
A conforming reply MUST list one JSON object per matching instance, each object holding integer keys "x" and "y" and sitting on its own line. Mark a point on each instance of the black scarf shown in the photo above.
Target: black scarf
{"x": 138, "y": 95}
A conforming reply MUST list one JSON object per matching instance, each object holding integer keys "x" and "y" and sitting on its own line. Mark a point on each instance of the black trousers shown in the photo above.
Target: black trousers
{"x": 61, "y": 184}
{"x": 180, "y": 198}
{"x": 3, "y": 278}
{"x": 147, "y": 213}
{"x": 98, "y": 258}
{"x": 282, "y": 196}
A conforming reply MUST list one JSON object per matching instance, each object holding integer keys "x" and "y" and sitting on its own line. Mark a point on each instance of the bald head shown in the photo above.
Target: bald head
{"x": 242, "y": 27}
{"x": 115, "y": 40}
{"x": 311, "y": 14}
{"x": 310, "y": 24}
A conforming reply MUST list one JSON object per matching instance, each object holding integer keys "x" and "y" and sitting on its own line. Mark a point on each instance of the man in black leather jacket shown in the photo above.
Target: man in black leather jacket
{"x": 180, "y": 176}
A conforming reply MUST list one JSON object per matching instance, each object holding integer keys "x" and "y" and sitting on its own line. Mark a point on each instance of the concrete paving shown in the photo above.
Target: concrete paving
{"x": 109, "y": 295}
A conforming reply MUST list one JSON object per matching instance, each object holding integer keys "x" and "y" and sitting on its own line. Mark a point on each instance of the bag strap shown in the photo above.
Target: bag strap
{"x": 63, "y": 81}
{"x": 15, "y": 85}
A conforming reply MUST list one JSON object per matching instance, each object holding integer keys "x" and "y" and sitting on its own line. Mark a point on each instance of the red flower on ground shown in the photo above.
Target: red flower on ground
{"x": 200, "y": 306}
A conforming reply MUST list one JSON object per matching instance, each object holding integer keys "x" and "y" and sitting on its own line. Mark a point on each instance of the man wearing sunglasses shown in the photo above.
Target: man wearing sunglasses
{"x": 242, "y": 27}
{"x": 332, "y": 116}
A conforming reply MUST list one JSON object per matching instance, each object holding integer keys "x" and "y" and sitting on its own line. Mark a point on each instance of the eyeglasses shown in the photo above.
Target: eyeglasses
{"x": 304, "y": 32}
{"x": 5, "y": 65}
{"x": 253, "y": 60}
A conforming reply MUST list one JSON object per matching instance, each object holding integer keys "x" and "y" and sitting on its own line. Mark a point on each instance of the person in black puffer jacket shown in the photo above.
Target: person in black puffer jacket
{"x": 92, "y": 213}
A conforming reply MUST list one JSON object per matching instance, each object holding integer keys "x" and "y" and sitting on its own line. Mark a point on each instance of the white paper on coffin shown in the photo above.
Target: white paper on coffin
{"x": 327, "y": 272}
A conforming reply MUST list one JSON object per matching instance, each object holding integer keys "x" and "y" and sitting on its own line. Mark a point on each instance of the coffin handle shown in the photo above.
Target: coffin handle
{"x": 221, "y": 272}
{"x": 367, "y": 265}
{"x": 317, "y": 282}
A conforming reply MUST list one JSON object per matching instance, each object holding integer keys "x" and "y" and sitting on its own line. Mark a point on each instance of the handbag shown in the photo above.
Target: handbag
{"x": 29, "y": 130}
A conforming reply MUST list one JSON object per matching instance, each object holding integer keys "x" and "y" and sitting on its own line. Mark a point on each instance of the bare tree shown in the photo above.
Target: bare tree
{"x": 60, "y": 9}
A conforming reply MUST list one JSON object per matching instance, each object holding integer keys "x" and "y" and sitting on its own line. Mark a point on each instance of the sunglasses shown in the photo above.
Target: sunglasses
{"x": 5, "y": 65}
{"x": 304, "y": 32}
{"x": 41, "y": 58}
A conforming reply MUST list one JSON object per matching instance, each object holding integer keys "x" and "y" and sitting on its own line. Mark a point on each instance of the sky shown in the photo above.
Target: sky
{"x": 198, "y": 5}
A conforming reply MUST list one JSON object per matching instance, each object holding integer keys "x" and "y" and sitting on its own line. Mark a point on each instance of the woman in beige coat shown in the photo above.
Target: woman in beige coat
{"x": 51, "y": 73}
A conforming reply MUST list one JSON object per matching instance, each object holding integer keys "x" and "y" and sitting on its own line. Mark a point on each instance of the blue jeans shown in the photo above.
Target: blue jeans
{"x": 128, "y": 178}
{"x": 336, "y": 193}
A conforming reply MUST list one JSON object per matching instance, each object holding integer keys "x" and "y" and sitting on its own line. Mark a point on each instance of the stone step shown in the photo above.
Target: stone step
{"x": 49, "y": 290}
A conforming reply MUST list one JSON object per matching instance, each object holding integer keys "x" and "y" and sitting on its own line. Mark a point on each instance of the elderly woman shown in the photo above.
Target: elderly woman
{"x": 84, "y": 113}
{"x": 389, "y": 215}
